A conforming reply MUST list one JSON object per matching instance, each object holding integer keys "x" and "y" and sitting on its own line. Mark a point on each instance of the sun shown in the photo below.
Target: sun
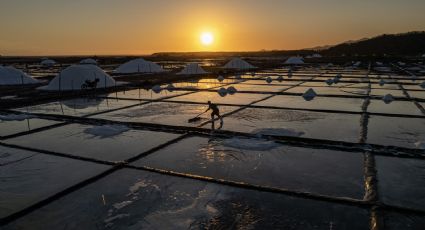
{"x": 206, "y": 38}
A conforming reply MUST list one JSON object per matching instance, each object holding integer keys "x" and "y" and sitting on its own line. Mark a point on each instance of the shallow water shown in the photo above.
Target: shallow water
{"x": 322, "y": 103}
{"x": 312, "y": 124}
{"x": 401, "y": 181}
{"x": 236, "y": 99}
{"x": 166, "y": 113}
{"x": 141, "y": 94}
{"x": 14, "y": 127}
{"x": 396, "y": 131}
{"x": 320, "y": 90}
{"x": 73, "y": 139}
{"x": 29, "y": 177}
{"x": 265, "y": 163}
{"x": 78, "y": 107}
{"x": 395, "y": 107}
{"x": 133, "y": 199}
{"x": 258, "y": 88}
{"x": 142, "y": 200}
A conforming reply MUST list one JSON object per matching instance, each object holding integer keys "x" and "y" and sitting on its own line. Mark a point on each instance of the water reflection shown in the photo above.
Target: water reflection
{"x": 84, "y": 103}
{"x": 213, "y": 151}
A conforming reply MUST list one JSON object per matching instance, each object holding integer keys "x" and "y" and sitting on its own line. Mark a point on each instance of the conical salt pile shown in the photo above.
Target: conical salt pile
{"x": 388, "y": 98}
{"x": 231, "y": 90}
{"x": 170, "y": 87}
{"x": 382, "y": 82}
{"x": 280, "y": 78}
{"x": 222, "y": 92}
{"x": 309, "y": 95}
{"x": 269, "y": 80}
{"x": 220, "y": 78}
{"x": 157, "y": 88}
{"x": 329, "y": 81}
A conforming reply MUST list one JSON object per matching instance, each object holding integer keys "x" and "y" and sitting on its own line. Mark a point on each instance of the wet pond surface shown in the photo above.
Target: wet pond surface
{"x": 83, "y": 140}
{"x": 265, "y": 163}
{"x": 132, "y": 199}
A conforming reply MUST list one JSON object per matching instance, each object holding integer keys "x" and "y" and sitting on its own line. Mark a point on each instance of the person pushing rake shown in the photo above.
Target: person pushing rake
{"x": 215, "y": 112}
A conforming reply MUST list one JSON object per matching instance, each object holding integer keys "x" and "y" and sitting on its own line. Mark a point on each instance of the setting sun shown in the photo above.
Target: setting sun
{"x": 207, "y": 38}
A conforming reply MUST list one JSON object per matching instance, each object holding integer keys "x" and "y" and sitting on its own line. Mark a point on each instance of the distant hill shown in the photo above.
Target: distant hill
{"x": 412, "y": 43}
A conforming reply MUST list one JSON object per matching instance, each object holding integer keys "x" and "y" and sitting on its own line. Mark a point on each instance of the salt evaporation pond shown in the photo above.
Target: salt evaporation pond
{"x": 75, "y": 140}
{"x": 167, "y": 113}
{"x": 11, "y": 124}
{"x": 141, "y": 200}
{"x": 78, "y": 107}
{"x": 172, "y": 174}
{"x": 265, "y": 163}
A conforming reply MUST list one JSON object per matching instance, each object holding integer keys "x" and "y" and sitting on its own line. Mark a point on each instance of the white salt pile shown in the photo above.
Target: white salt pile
{"x": 382, "y": 69}
{"x": 170, "y": 87}
{"x": 220, "y": 78}
{"x": 237, "y": 63}
{"x": 11, "y": 76}
{"x": 309, "y": 94}
{"x": 329, "y": 81}
{"x": 106, "y": 131}
{"x": 357, "y": 64}
{"x": 192, "y": 69}
{"x": 231, "y": 90}
{"x": 139, "y": 65}
{"x": 75, "y": 77}
{"x": 335, "y": 80}
{"x": 269, "y": 80}
{"x": 420, "y": 145}
{"x": 222, "y": 92}
{"x": 388, "y": 98}
{"x": 157, "y": 88}
{"x": 47, "y": 62}
{"x": 88, "y": 61}
{"x": 294, "y": 61}
{"x": 414, "y": 78}
{"x": 280, "y": 78}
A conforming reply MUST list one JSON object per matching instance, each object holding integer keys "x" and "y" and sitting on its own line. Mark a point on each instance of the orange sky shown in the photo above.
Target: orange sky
{"x": 99, "y": 27}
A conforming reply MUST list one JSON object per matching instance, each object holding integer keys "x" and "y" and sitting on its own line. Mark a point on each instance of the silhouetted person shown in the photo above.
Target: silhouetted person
{"x": 90, "y": 84}
{"x": 215, "y": 112}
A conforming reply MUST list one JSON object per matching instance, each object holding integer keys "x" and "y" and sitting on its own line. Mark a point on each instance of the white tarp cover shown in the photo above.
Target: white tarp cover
{"x": 237, "y": 63}
{"x": 88, "y": 61}
{"x": 192, "y": 69}
{"x": 11, "y": 76}
{"x": 73, "y": 77}
{"x": 139, "y": 66}
{"x": 294, "y": 61}
{"x": 47, "y": 62}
